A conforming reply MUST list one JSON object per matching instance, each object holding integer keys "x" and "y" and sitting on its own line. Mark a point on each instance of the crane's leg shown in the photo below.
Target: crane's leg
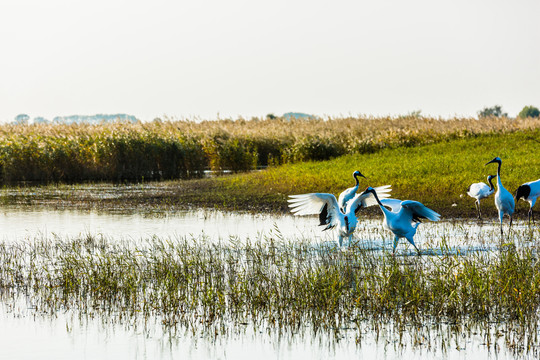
{"x": 477, "y": 203}
{"x": 531, "y": 216}
{"x": 396, "y": 239}
{"x": 510, "y": 223}
{"x": 501, "y": 214}
{"x": 340, "y": 240}
{"x": 413, "y": 244}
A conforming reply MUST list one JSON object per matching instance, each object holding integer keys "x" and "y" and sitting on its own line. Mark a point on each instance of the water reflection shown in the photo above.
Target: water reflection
{"x": 20, "y": 223}
{"x": 67, "y": 336}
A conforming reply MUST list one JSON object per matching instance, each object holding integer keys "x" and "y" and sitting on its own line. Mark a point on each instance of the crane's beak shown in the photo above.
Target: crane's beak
{"x": 489, "y": 162}
{"x": 360, "y": 174}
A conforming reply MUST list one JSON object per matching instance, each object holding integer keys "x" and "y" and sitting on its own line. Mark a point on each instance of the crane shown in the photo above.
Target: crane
{"x": 529, "y": 192}
{"x": 330, "y": 214}
{"x": 403, "y": 218}
{"x": 504, "y": 201}
{"x": 481, "y": 191}
{"x": 349, "y": 193}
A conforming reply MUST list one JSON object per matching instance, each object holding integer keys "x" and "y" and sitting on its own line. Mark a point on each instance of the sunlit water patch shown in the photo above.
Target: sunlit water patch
{"x": 20, "y": 222}
{"x": 450, "y": 236}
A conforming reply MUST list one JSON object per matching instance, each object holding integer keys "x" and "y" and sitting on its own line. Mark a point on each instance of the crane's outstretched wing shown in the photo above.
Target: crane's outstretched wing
{"x": 365, "y": 200}
{"x": 325, "y": 205}
{"x": 417, "y": 211}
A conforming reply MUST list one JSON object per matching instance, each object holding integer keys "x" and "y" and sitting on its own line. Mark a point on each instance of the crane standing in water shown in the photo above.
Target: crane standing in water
{"x": 404, "y": 218}
{"x": 504, "y": 201}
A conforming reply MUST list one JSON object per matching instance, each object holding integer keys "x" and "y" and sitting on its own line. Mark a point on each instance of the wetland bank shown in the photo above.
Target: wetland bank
{"x": 165, "y": 266}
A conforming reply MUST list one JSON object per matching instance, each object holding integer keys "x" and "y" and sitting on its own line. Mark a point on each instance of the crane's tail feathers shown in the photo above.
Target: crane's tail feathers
{"x": 430, "y": 214}
{"x": 419, "y": 211}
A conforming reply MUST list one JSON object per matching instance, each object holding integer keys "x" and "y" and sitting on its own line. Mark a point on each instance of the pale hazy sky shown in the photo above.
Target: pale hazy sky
{"x": 250, "y": 58}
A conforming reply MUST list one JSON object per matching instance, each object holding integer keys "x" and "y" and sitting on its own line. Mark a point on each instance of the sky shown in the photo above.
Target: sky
{"x": 210, "y": 59}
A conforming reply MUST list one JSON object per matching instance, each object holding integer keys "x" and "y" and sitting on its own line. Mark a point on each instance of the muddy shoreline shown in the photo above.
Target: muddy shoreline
{"x": 190, "y": 195}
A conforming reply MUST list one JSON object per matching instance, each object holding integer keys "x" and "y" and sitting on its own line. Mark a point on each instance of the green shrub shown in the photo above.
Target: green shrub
{"x": 529, "y": 112}
{"x": 494, "y": 111}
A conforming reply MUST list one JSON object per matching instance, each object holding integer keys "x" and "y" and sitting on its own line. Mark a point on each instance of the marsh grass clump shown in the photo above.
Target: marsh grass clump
{"x": 281, "y": 286}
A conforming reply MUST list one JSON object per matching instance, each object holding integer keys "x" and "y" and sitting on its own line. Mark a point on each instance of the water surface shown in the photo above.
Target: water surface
{"x": 22, "y": 222}
{"x": 66, "y": 336}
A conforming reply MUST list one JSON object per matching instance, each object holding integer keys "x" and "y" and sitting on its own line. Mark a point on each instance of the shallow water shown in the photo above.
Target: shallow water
{"x": 18, "y": 223}
{"x": 65, "y": 336}
{"x": 451, "y": 236}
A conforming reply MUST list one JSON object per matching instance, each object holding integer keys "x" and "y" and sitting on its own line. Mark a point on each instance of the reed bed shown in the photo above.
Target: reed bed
{"x": 179, "y": 149}
{"x": 437, "y": 175}
{"x": 282, "y": 286}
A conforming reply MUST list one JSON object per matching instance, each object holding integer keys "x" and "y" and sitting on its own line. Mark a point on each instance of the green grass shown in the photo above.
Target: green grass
{"x": 437, "y": 174}
{"x": 278, "y": 285}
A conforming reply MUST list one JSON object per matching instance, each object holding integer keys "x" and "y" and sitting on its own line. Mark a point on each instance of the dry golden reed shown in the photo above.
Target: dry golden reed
{"x": 172, "y": 149}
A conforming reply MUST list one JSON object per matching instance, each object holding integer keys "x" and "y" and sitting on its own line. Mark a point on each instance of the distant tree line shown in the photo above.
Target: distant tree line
{"x": 24, "y": 119}
{"x": 496, "y": 111}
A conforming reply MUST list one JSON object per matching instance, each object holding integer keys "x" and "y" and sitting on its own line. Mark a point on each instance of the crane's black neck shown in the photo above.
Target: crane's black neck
{"x": 491, "y": 187}
{"x": 376, "y": 197}
{"x": 499, "y": 169}
{"x": 356, "y": 175}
